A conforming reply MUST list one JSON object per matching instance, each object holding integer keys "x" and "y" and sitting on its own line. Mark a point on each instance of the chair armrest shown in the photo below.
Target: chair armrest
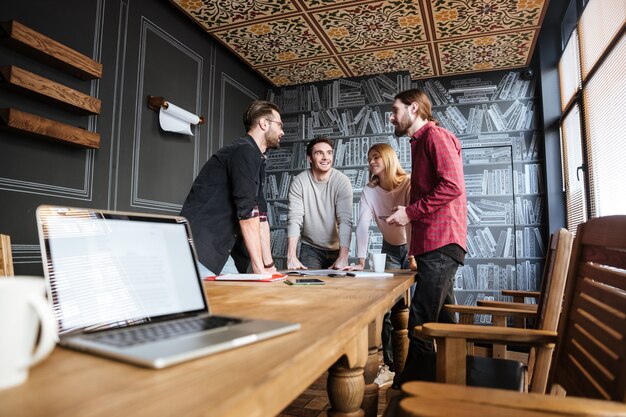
{"x": 511, "y": 400}
{"x": 507, "y": 312}
{"x": 488, "y": 334}
{"x": 452, "y": 344}
{"x": 504, "y": 304}
{"x": 515, "y": 293}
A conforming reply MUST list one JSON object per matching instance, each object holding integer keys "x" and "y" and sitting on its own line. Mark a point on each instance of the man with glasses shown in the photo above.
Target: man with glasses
{"x": 320, "y": 212}
{"x": 226, "y": 206}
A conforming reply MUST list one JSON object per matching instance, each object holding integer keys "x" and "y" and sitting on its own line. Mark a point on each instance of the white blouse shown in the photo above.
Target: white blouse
{"x": 377, "y": 202}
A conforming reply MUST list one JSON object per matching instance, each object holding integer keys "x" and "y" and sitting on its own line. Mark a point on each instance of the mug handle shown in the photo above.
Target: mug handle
{"x": 48, "y": 337}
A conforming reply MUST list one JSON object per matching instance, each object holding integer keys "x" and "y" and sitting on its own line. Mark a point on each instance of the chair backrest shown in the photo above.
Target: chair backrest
{"x": 590, "y": 358}
{"x": 6, "y": 257}
{"x": 550, "y": 302}
{"x": 553, "y": 279}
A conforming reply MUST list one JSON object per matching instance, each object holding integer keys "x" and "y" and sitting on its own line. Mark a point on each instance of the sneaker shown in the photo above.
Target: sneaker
{"x": 384, "y": 376}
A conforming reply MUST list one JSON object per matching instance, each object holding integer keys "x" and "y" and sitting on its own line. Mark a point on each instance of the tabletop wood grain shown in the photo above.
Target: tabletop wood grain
{"x": 255, "y": 380}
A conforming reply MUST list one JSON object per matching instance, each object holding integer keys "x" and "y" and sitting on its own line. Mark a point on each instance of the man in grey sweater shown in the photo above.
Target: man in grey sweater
{"x": 320, "y": 212}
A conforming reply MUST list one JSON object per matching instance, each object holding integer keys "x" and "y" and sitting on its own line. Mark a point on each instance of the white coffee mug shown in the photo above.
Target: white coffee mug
{"x": 23, "y": 306}
{"x": 377, "y": 261}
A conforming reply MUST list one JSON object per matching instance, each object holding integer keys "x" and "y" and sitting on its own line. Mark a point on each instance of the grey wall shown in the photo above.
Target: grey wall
{"x": 548, "y": 53}
{"x": 147, "y": 47}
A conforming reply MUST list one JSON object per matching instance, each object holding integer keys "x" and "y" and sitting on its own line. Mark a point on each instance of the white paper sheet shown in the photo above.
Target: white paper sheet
{"x": 175, "y": 119}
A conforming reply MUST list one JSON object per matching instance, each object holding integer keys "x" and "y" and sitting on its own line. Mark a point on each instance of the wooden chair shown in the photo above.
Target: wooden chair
{"x": 545, "y": 313}
{"x": 6, "y": 258}
{"x": 590, "y": 357}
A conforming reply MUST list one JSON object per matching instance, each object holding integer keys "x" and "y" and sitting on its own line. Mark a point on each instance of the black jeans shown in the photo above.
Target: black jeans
{"x": 434, "y": 288}
{"x": 315, "y": 258}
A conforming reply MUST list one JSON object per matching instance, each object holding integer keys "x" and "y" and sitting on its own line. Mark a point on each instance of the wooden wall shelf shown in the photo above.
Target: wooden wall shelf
{"x": 30, "y": 42}
{"x": 26, "y": 82}
{"x": 48, "y": 129}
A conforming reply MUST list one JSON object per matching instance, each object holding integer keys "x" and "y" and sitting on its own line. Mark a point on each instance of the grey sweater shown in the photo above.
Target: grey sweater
{"x": 320, "y": 212}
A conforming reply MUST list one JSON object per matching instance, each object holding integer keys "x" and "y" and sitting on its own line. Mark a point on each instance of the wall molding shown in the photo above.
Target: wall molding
{"x": 227, "y": 79}
{"x": 136, "y": 200}
{"x": 56, "y": 190}
{"x": 210, "y": 115}
{"x": 116, "y": 119}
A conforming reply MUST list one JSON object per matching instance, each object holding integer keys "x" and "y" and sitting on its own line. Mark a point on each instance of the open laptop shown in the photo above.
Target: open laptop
{"x": 127, "y": 286}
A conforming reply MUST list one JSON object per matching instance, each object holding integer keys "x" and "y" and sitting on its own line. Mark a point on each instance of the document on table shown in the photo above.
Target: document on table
{"x": 338, "y": 273}
{"x": 306, "y": 272}
{"x": 247, "y": 277}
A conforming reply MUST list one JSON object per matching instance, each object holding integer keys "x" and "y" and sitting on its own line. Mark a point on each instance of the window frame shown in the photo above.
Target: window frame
{"x": 577, "y": 100}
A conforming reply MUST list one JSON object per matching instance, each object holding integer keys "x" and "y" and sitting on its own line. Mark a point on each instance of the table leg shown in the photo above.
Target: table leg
{"x": 400, "y": 337}
{"x": 370, "y": 399}
{"x": 346, "y": 384}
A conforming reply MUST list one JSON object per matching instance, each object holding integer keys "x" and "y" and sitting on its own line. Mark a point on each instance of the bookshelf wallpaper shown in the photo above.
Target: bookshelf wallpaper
{"x": 293, "y": 42}
{"x": 493, "y": 115}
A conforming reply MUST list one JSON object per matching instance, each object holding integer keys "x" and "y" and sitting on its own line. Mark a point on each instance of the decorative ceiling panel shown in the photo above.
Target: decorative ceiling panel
{"x": 507, "y": 50}
{"x": 373, "y": 25}
{"x": 304, "y": 72}
{"x": 212, "y": 14}
{"x": 456, "y": 18}
{"x": 300, "y": 41}
{"x": 274, "y": 41}
{"x": 415, "y": 59}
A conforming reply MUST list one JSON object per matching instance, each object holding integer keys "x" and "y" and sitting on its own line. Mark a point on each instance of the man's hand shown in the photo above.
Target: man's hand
{"x": 342, "y": 259}
{"x": 353, "y": 267}
{"x": 340, "y": 263}
{"x": 412, "y": 264}
{"x": 294, "y": 263}
{"x": 399, "y": 217}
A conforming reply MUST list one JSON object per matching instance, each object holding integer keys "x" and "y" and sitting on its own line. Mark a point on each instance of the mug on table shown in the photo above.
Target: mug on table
{"x": 377, "y": 262}
{"x": 23, "y": 309}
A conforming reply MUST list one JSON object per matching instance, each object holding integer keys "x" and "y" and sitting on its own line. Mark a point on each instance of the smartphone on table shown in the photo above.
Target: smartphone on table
{"x": 304, "y": 281}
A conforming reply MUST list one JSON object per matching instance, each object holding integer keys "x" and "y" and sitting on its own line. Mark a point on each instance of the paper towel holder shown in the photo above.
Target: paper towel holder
{"x": 156, "y": 102}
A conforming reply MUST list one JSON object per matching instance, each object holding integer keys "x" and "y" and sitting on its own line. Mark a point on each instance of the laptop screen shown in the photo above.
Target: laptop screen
{"x": 107, "y": 269}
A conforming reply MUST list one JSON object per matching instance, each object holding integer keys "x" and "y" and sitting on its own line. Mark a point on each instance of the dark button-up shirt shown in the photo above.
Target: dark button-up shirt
{"x": 438, "y": 204}
{"x": 229, "y": 188}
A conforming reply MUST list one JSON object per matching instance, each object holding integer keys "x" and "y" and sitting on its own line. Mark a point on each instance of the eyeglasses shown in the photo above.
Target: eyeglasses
{"x": 280, "y": 124}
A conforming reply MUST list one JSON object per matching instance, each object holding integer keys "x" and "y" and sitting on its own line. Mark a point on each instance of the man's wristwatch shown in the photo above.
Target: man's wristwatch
{"x": 270, "y": 265}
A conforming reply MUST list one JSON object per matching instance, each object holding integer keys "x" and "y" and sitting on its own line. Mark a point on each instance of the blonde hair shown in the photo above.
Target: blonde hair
{"x": 393, "y": 170}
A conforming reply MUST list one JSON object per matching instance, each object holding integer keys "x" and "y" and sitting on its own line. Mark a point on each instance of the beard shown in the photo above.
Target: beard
{"x": 402, "y": 126}
{"x": 272, "y": 141}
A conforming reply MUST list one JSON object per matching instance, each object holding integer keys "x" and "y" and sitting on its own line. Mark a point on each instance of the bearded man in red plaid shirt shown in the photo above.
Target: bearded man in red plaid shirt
{"x": 437, "y": 213}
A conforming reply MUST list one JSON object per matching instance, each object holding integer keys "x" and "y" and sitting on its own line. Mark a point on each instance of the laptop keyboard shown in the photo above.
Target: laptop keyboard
{"x": 137, "y": 335}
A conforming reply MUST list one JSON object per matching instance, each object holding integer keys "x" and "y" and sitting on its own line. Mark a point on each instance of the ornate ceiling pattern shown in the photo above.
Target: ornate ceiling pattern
{"x": 300, "y": 41}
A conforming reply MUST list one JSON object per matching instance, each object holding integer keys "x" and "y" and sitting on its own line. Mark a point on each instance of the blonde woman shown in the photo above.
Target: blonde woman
{"x": 388, "y": 187}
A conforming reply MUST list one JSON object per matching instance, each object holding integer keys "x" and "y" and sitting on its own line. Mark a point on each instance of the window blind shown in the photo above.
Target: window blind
{"x": 569, "y": 71}
{"x": 600, "y": 23}
{"x": 604, "y": 97}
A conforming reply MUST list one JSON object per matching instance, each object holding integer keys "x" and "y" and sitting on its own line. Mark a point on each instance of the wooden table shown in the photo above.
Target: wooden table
{"x": 256, "y": 380}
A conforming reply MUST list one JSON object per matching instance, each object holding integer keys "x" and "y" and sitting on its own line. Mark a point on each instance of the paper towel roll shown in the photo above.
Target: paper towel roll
{"x": 175, "y": 119}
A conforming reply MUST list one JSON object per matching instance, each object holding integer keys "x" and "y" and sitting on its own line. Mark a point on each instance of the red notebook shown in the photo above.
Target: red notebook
{"x": 247, "y": 277}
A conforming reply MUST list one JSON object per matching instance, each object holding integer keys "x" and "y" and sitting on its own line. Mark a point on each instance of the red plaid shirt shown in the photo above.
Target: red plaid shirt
{"x": 438, "y": 205}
